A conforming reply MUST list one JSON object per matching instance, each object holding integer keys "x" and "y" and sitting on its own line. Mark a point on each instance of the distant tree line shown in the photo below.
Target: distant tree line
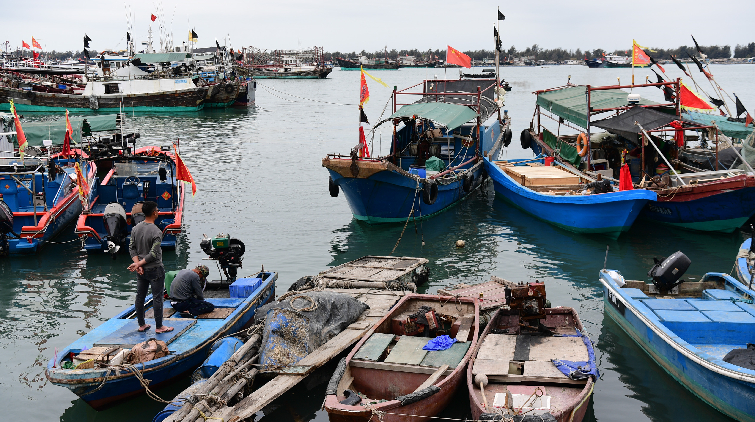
{"x": 57, "y": 55}
{"x": 558, "y": 54}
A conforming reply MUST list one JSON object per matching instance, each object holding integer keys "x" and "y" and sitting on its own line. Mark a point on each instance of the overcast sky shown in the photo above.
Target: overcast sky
{"x": 352, "y": 25}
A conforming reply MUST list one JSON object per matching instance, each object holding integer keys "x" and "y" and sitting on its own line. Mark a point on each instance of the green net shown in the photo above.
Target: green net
{"x": 566, "y": 151}
{"x": 434, "y": 164}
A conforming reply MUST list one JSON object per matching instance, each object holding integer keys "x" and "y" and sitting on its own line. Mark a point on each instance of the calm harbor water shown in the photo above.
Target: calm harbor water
{"x": 260, "y": 179}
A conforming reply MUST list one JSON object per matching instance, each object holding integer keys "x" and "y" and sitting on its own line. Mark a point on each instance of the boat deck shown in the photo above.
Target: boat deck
{"x": 545, "y": 179}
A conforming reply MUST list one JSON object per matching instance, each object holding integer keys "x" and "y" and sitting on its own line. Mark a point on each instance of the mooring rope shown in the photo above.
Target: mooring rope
{"x": 416, "y": 191}
{"x": 267, "y": 88}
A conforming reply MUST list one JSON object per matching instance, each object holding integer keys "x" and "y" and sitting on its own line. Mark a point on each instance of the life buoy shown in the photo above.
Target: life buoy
{"x": 507, "y": 137}
{"x": 430, "y": 192}
{"x": 526, "y": 139}
{"x": 582, "y": 144}
{"x": 333, "y": 187}
{"x": 467, "y": 180}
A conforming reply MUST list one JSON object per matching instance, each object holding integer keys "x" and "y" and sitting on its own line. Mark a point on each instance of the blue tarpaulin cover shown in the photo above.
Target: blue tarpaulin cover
{"x": 440, "y": 343}
{"x": 579, "y": 370}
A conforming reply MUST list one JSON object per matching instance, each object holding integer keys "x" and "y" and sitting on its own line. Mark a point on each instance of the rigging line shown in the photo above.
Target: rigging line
{"x": 303, "y": 98}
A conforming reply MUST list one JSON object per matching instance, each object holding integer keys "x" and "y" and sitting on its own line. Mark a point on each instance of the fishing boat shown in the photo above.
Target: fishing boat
{"x": 128, "y": 176}
{"x": 95, "y": 367}
{"x": 285, "y": 64}
{"x": 405, "y": 367}
{"x": 743, "y": 263}
{"x": 562, "y": 197}
{"x": 39, "y": 193}
{"x": 435, "y": 159}
{"x": 364, "y": 62}
{"x": 531, "y": 359}
{"x": 653, "y": 136}
{"x": 596, "y": 62}
{"x": 699, "y": 332}
{"x": 613, "y": 60}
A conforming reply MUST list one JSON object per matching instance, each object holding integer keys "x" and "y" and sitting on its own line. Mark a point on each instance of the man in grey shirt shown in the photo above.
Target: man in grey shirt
{"x": 148, "y": 264}
{"x": 187, "y": 293}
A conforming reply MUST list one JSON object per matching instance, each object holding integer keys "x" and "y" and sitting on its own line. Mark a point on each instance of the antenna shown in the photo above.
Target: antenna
{"x": 605, "y": 261}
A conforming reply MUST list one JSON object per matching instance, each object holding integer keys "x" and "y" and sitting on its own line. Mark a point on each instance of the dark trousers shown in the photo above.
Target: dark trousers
{"x": 153, "y": 278}
{"x": 194, "y": 306}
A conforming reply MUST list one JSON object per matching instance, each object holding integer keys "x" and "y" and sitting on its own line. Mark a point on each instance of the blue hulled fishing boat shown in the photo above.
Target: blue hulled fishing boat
{"x": 96, "y": 367}
{"x": 700, "y": 333}
{"x": 744, "y": 268}
{"x": 128, "y": 176}
{"x": 436, "y": 154}
{"x": 562, "y": 197}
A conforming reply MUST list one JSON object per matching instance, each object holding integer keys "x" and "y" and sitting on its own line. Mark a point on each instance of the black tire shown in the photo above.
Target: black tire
{"x": 333, "y": 187}
{"x": 229, "y": 89}
{"x": 526, "y": 139}
{"x": 507, "y": 137}
{"x": 467, "y": 182}
{"x": 430, "y": 192}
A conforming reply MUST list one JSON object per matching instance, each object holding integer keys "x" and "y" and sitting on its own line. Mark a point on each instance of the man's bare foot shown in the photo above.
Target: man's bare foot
{"x": 164, "y": 329}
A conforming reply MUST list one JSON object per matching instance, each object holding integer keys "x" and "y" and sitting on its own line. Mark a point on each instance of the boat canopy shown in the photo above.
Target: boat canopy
{"x": 162, "y": 57}
{"x": 623, "y": 124}
{"x": 571, "y": 102}
{"x": 55, "y": 130}
{"x": 449, "y": 115}
{"x": 731, "y": 129}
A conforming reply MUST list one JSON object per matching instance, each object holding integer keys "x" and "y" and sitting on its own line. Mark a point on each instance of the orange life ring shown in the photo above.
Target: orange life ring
{"x": 582, "y": 144}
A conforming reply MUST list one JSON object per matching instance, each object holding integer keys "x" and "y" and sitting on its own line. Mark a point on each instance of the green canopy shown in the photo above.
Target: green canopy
{"x": 571, "y": 102}
{"x": 162, "y": 57}
{"x": 55, "y": 130}
{"x": 449, "y": 115}
{"x": 731, "y": 129}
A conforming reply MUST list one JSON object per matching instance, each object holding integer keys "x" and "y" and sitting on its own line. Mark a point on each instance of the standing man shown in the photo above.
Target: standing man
{"x": 187, "y": 294}
{"x": 148, "y": 264}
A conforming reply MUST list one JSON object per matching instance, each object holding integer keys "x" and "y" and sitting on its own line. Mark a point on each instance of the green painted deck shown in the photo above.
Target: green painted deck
{"x": 374, "y": 347}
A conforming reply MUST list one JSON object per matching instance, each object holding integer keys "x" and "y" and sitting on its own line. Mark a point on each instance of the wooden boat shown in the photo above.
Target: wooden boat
{"x": 436, "y": 156}
{"x": 125, "y": 180}
{"x": 372, "y": 64}
{"x": 378, "y": 281}
{"x": 518, "y": 356}
{"x": 552, "y": 193}
{"x": 89, "y": 368}
{"x": 688, "y": 329}
{"x": 720, "y": 200}
{"x": 388, "y": 373}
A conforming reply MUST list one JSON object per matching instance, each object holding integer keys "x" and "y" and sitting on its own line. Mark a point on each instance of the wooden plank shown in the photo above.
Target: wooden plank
{"x": 465, "y": 326}
{"x": 568, "y": 348}
{"x": 397, "y": 367}
{"x": 408, "y": 350}
{"x": 345, "y": 382}
{"x": 433, "y": 378}
{"x": 539, "y": 368}
{"x": 217, "y": 313}
{"x": 515, "y": 379}
{"x": 451, "y": 357}
{"x": 374, "y": 347}
{"x": 167, "y": 312}
{"x": 490, "y": 367}
{"x": 498, "y": 347}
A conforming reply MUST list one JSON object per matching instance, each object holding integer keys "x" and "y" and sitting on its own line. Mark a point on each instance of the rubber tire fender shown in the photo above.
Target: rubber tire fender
{"x": 507, "y": 137}
{"x": 467, "y": 180}
{"x": 526, "y": 139}
{"x": 430, "y": 192}
{"x": 229, "y": 89}
{"x": 333, "y": 187}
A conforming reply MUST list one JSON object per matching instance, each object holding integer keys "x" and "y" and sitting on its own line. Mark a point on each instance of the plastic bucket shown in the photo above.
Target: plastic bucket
{"x": 549, "y": 161}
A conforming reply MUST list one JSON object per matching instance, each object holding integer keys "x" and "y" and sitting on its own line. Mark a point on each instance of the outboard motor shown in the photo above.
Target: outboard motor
{"x": 6, "y": 226}
{"x": 227, "y": 251}
{"x": 115, "y": 224}
{"x": 137, "y": 215}
{"x": 667, "y": 274}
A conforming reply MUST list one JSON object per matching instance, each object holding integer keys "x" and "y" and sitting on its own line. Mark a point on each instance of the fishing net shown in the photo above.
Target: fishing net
{"x": 748, "y": 151}
{"x": 301, "y": 323}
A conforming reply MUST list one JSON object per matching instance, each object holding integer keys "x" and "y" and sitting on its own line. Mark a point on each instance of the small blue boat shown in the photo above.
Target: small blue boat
{"x": 693, "y": 330}
{"x": 551, "y": 193}
{"x": 107, "y": 380}
{"x": 436, "y": 154}
{"x": 743, "y": 269}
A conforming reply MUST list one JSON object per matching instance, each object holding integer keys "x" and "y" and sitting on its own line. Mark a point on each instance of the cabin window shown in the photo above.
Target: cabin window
{"x": 111, "y": 89}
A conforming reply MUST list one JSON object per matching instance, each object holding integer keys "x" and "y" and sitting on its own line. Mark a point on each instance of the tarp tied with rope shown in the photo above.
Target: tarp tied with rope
{"x": 571, "y": 102}
{"x": 623, "y": 124}
{"x": 732, "y": 129}
{"x": 55, "y": 130}
{"x": 449, "y": 115}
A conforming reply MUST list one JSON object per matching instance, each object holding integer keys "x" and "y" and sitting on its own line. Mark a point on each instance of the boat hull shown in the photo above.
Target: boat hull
{"x": 386, "y": 194}
{"x": 727, "y": 394}
{"x": 721, "y": 206}
{"x": 609, "y": 214}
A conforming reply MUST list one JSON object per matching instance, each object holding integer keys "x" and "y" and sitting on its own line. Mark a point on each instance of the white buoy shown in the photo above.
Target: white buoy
{"x": 460, "y": 243}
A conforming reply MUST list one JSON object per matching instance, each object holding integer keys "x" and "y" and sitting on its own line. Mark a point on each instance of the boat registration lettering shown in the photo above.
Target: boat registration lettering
{"x": 618, "y": 304}
{"x": 659, "y": 210}
{"x": 180, "y": 81}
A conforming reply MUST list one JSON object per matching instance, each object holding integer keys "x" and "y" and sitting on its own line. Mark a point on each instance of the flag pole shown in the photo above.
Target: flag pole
{"x": 497, "y": 55}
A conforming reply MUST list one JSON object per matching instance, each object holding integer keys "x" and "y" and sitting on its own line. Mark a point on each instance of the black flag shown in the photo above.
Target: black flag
{"x": 128, "y": 37}
{"x": 86, "y": 54}
{"x": 668, "y": 93}
{"x": 216, "y": 43}
{"x": 500, "y": 15}
{"x": 362, "y": 116}
{"x": 697, "y": 62}
{"x": 194, "y": 35}
{"x": 86, "y": 41}
{"x": 716, "y": 102}
{"x": 699, "y": 50}
{"x": 680, "y": 65}
{"x": 740, "y": 107}
{"x": 497, "y": 39}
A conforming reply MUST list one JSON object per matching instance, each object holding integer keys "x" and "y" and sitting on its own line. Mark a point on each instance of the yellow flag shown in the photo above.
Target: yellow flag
{"x": 375, "y": 79}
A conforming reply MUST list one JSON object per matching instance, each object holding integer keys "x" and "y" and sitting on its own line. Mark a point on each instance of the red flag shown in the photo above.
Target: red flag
{"x": 24, "y": 44}
{"x": 748, "y": 120}
{"x": 364, "y": 93}
{"x": 35, "y": 43}
{"x": 19, "y": 131}
{"x": 35, "y": 54}
{"x": 153, "y": 17}
{"x": 66, "y": 145}
{"x": 183, "y": 174}
{"x": 454, "y": 56}
{"x": 689, "y": 99}
{"x": 625, "y": 178}
{"x": 678, "y": 133}
{"x": 639, "y": 57}
{"x": 68, "y": 124}
{"x": 364, "y": 150}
